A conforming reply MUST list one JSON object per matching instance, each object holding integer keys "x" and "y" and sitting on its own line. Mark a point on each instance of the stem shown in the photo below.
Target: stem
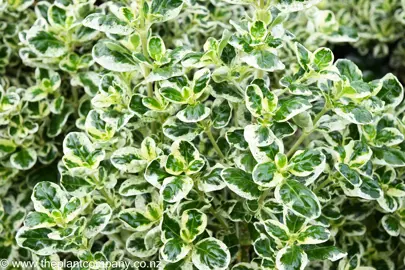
{"x": 214, "y": 143}
{"x": 244, "y": 241}
{"x": 107, "y": 196}
{"x": 241, "y": 91}
{"x": 149, "y": 87}
{"x": 75, "y": 95}
{"x": 260, "y": 74}
{"x": 144, "y": 41}
{"x": 305, "y": 134}
{"x": 324, "y": 184}
{"x": 263, "y": 197}
{"x": 297, "y": 144}
{"x": 219, "y": 218}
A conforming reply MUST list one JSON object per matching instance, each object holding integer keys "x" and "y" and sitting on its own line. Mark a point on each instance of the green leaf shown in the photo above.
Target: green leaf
{"x": 322, "y": 58}
{"x": 392, "y": 91}
{"x": 267, "y": 175}
{"x": 283, "y": 129}
{"x": 264, "y": 247}
{"x": 266, "y": 153}
{"x": 349, "y": 70}
{"x": 357, "y": 153}
{"x": 194, "y": 113}
{"x": 127, "y": 13}
{"x": 98, "y": 221}
{"x": 290, "y": 108}
{"x": 156, "y": 47}
{"x": 89, "y": 80}
{"x": 57, "y": 16}
{"x": 7, "y": 146}
{"x": 241, "y": 183}
{"x": 276, "y": 230}
{"x": 325, "y": 253}
{"x": 113, "y": 56}
{"x": 170, "y": 228}
{"x": 164, "y": 73}
{"x": 128, "y": 159}
{"x": 221, "y": 113}
{"x": 201, "y": 80}
{"x": 388, "y": 137}
{"x": 193, "y": 223}
{"x": 370, "y": 189}
{"x": 107, "y": 24}
{"x": 164, "y": 10}
{"x": 388, "y": 203}
{"x": 149, "y": 150}
{"x": 48, "y": 197}
{"x": 97, "y": 128}
{"x": 176, "y": 188}
{"x": 45, "y": 43}
{"x": 308, "y": 164}
{"x": 184, "y": 157}
{"x": 293, "y": 222}
{"x": 388, "y": 156}
{"x": 212, "y": 180}
{"x": 263, "y": 60}
{"x": 24, "y": 159}
{"x": 303, "y": 55}
{"x": 136, "y": 105}
{"x": 79, "y": 152}
{"x": 72, "y": 209}
{"x": 228, "y": 54}
{"x": 58, "y": 121}
{"x": 226, "y": 91}
{"x": 356, "y": 90}
{"x": 259, "y": 135}
{"x": 246, "y": 162}
{"x": 135, "y": 186}
{"x": 291, "y": 258}
{"x": 155, "y": 172}
{"x": 174, "y": 250}
{"x": 174, "y": 95}
{"x": 258, "y": 30}
{"x": 38, "y": 220}
{"x": 353, "y": 113}
{"x": 136, "y": 219}
{"x": 35, "y": 93}
{"x": 298, "y": 198}
{"x": 211, "y": 253}
{"x": 349, "y": 174}
{"x": 254, "y": 100}
{"x": 313, "y": 235}
{"x": 175, "y": 129}
{"x": 236, "y": 139}
{"x": 136, "y": 246}
{"x": 391, "y": 225}
{"x": 37, "y": 240}
{"x": 78, "y": 186}
{"x": 353, "y": 228}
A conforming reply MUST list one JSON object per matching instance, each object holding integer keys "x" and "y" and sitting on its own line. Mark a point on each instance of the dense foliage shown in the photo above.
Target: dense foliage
{"x": 203, "y": 134}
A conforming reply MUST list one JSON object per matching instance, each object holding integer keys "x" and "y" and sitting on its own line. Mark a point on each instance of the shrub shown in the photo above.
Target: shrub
{"x": 216, "y": 134}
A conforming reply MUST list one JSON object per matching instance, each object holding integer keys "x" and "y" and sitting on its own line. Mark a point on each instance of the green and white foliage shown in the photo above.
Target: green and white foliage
{"x": 372, "y": 39}
{"x": 51, "y": 40}
{"x": 221, "y": 134}
{"x": 59, "y": 222}
{"x": 12, "y": 214}
{"x": 27, "y": 116}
